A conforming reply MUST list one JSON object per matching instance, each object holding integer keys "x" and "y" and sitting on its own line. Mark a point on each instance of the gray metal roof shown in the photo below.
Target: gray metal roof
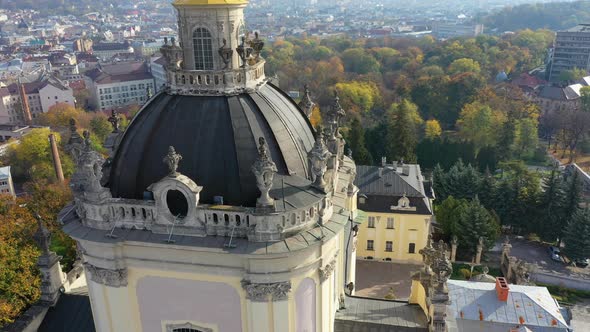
{"x": 392, "y": 182}
{"x": 375, "y": 315}
{"x": 477, "y": 304}
{"x": 383, "y": 192}
{"x": 217, "y": 137}
{"x": 71, "y": 313}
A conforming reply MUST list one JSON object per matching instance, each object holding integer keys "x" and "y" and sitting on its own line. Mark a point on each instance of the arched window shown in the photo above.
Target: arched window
{"x": 203, "y": 48}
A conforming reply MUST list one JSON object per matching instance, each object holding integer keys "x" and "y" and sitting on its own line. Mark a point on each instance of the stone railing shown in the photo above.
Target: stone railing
{"x": 209, "y": 219}
{"x": 192, "y": 82}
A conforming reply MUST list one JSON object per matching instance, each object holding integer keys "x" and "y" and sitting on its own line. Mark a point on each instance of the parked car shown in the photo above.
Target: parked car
{"x": 582, "y": 262}
{"x": 555, "y": 254}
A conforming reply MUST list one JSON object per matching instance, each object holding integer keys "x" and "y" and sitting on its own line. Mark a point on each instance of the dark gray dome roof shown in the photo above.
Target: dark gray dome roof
{"x": 217, "y": 137}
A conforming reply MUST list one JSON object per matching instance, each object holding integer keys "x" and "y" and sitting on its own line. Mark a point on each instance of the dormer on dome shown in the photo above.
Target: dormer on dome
{"x": 215, "y": 55}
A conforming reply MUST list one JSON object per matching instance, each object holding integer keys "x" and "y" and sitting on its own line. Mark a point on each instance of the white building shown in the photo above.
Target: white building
{"x": 118, "y": 85}
{"x": 40, "y": 96}
{"x": 6, "y": 185}
{"x": 443, "y": 30}
{"x": 158, "y": 72}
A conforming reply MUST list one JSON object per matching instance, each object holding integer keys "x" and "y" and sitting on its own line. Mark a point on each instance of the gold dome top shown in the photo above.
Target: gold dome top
{"x": 209, "y": 2}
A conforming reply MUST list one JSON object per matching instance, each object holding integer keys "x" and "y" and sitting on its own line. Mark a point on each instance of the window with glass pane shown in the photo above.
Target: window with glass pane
{"x": 412, "y": 248}
{"x": 203, "y": 48}
{"x": 370, "y": 245}
{"x": 390, "y": 223}
{"x": 371, "y": 222}
{"x": 389, "y": 246}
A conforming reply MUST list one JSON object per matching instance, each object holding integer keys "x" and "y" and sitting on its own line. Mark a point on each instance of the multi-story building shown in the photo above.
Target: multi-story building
{"x": 442, "y": 30}
{"x": 105, "y": 51}
{"x": 6, "y": 184}
{"x": 159, "y": 72}
{"x": 398, "y": 207}
{"x": 571, "y": 50}
{"x": 118, "y": 85}
{"x": 39, "y": 97}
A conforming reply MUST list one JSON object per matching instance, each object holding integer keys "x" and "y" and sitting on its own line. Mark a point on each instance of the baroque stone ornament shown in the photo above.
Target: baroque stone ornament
{"x": 112, "y": 278}
{"x": 318, "y": 157}
{"x": 225, "y": 53}
{"x": 257, "y": 45}
{"x": 260, "y": 292}
{"x": 42, "y": 236}
{"x": 115, "y": 120}
{"x": 441, "y": 265}
{"x": 86, "y": 179}
{"x": 327, "y": 270}
{"x": 172, "y": 159}
{"x": 306, "y": 104}
{"x": 335, "y": 114}
{"x": 264, "y": 170}
{"x": 75, "y": 145}
{"x": 244, "y": 52}
{"x": 427, "y": 252}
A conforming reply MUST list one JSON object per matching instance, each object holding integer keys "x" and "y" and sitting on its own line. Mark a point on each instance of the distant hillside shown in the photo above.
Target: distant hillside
{"x": 553, "y": 16}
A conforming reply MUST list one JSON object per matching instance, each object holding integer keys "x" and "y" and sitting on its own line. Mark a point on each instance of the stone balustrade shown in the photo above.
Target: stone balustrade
{"x": 209, "y": 220}
{"x": 195, "y": 82}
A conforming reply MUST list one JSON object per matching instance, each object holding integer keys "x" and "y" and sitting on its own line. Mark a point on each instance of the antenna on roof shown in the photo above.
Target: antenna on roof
{"x": 231, "y": 237}
{"x": 169, "y": 240}
{"x": 110, "y": 235}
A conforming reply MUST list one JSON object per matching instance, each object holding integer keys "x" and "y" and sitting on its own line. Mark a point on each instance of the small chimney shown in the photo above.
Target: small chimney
{"x": 406, "y": 170}
{"x": 383, "y": 161}
{"x": 502, "y": 289}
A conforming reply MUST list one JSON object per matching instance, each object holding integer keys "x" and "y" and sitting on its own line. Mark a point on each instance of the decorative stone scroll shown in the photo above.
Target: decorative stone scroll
{"x": 112, "y": 278}
{"x": 327, "y": 270}
{"x": 278, "y": 291}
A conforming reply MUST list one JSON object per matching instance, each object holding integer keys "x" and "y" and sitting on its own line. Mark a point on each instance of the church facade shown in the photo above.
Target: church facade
{"x": 220, "y": 208}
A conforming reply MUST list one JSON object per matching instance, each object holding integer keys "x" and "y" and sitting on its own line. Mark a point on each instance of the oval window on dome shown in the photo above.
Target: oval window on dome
{"x": 177, "y": 203}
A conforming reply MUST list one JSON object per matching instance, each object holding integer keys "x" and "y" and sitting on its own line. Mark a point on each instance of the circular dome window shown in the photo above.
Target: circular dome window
{"x": 177, "y": 203}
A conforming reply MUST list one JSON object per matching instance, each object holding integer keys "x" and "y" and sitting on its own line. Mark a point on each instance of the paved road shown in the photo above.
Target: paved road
{"x": 374, "y": 279}
{"x": 537, "y": 255}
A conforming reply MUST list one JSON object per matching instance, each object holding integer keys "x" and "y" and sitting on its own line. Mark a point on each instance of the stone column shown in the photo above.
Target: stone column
{"x": 479, "y": 251}
{"x": 454, "y": 242}
{"x": 51, "y": 275}
{"x": 506, "y": 247}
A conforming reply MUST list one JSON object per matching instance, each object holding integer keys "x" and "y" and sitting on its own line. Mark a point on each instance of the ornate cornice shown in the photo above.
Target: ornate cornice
{"x": 111, "y": 278}
{"x": 260, "y": 292}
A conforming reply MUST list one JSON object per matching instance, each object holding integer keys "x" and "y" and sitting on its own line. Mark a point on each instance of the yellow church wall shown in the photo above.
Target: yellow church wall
{"x": 407, "y": 228}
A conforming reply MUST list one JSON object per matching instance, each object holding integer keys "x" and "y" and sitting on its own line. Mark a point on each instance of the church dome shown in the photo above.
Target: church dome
{"x": 217, "y": 137}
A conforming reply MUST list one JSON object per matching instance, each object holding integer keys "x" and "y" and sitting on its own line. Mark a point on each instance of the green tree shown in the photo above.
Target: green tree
{"x": 358, "y": 96}
{"x": 464, "y": 65}
{"x": 527, "y": 136}
{"x": 357, "y": 60}
{"x": 356, "y": 142}
{"x": 447, "y": 215}
{"x": 402, "y": 132}
{"x": 432, "y": 129}
{"x": 101, "y": 126}
{"x": 549, "y": 224}
{"x": 572, "y": 75}
{"x": 479, "y": 124}
{"x": 577, "y": 236}
{"x": 474, "y": 221}
{"x": 31, "y": 159}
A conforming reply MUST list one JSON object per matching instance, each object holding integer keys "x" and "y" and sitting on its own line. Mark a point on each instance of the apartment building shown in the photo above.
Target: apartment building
{"x": 571, "y": 50}
{"x": 119, "y": 85}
